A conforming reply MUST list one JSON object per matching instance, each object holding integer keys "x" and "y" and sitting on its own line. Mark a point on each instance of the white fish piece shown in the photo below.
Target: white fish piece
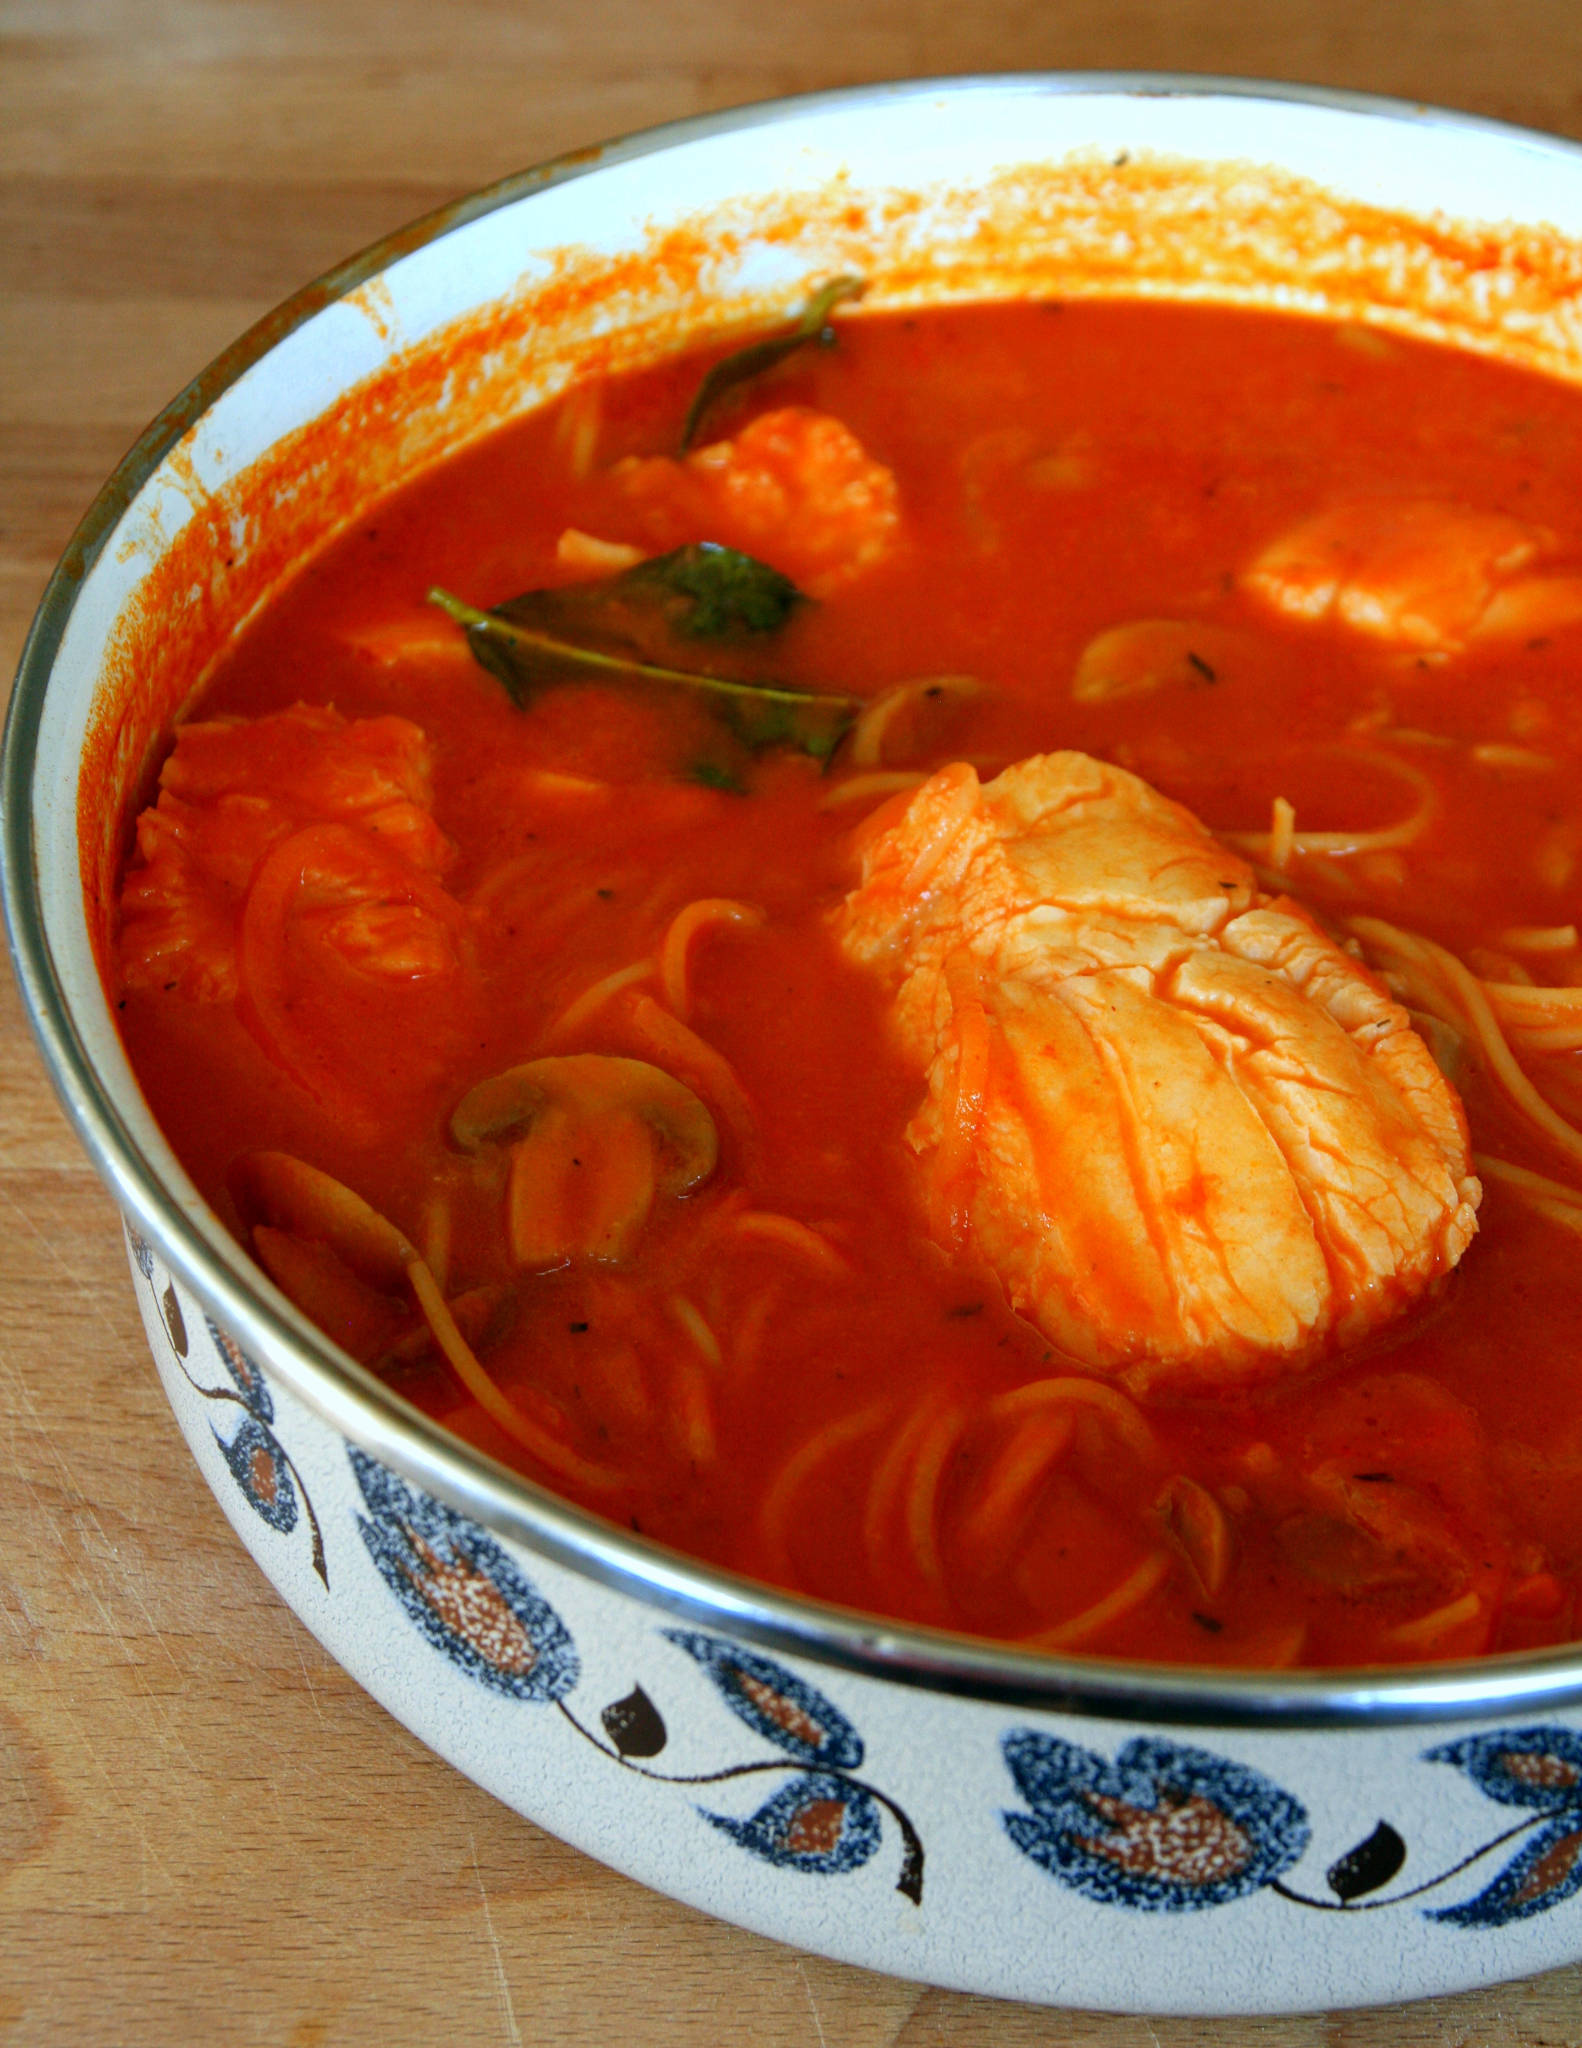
{"x": 1413, "y": 573}
{"x": 1198, "y": 1142}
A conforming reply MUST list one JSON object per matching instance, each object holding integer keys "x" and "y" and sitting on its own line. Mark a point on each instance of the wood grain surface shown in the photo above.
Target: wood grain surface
{"x": 208, "y": 1835}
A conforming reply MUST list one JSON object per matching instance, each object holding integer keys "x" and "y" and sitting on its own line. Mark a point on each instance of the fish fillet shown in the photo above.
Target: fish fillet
{"x": 1198, "y": 1143}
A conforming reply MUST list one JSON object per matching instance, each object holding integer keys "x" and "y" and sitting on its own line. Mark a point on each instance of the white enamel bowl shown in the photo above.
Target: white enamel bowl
{"x": 1076, "y": 1832}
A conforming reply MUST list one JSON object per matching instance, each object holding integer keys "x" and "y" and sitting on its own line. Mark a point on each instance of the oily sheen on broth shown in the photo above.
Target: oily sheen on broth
{"x": 671, "y": 1030}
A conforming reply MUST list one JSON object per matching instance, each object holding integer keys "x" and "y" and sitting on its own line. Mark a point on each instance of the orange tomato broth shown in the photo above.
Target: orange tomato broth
{"x": 1061, "y": 469}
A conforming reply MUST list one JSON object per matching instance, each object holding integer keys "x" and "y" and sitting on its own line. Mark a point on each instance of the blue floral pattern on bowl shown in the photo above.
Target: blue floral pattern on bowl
{"x": 469, "y": 1600}
{"x": 1540, "y": 1768}
{"x": 462, "y": 1591}
{"x": 820, "y": 1823}
{"x": 260, "y": 1464}
{"x": 773, "y": 1703}
{"x": 1171, "y": 1829}
{"x": 1164, "y": 1828}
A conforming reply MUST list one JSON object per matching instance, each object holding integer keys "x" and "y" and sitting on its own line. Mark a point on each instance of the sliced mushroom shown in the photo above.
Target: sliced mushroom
{"x": 594, "y": 1138}
{"x": 909, "y": 713}
{"x": 275, "y": 1189}
{"x": 1197, "y": 1527}
{"x": 1366, "y": 1532}
{"x": 281, "y": 1197}
{"x": 482, "y": 1315}
{"x": 1145, "y": 655}
{"x": 363, "y": 1320}
{"x": 581, "y": 1185}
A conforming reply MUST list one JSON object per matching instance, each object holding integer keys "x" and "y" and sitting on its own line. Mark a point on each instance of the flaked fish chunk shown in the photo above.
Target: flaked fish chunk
{"x": 1413, "y": 573}
{"x": 1198, "y": 1143}
{"x": 794, "y": 487}
{"x": 233, "y": 791}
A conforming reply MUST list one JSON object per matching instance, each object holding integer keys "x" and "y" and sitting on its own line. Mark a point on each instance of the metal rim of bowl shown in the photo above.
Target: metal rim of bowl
{"x": 362, "y": 1407}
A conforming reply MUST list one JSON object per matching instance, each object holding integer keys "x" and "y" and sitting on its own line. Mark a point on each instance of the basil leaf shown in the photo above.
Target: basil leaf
{"x": 525, "y": 645}
{"x": 715, "y": 775}
{"x": 708, "y": 592}
{"x": 811, "y": 324}
{"x": 816, "y": 724}
{"x": 703, "y": 592}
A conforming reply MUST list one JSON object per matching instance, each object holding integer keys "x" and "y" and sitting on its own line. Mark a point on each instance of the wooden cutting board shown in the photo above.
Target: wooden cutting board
{"x": 208, "y": 1835}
